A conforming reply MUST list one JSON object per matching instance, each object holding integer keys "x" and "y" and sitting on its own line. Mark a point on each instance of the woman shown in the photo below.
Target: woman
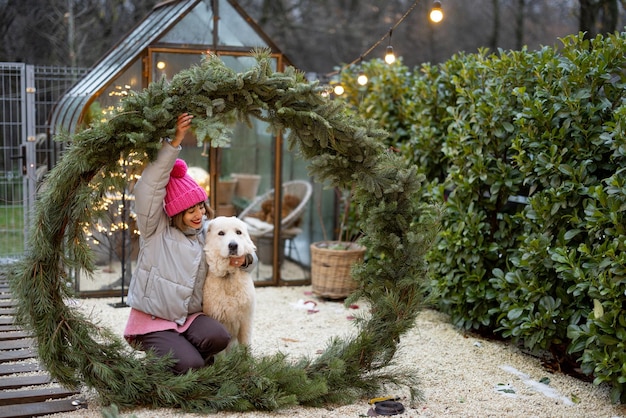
{"x": 165, "y": 292}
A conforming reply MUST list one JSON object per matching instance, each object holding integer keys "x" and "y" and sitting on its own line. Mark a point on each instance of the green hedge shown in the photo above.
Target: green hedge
{"x": 527, "y": 149}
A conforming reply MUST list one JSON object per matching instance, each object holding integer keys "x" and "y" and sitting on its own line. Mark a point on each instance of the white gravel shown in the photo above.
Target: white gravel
{"x": 461, "y": 375}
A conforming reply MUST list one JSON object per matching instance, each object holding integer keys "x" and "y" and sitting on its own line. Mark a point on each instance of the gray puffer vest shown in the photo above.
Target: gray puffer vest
{"x": 171, "y": 268}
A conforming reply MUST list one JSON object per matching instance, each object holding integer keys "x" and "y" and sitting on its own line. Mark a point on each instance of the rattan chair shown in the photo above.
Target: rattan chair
{"x": 289, "y": 224}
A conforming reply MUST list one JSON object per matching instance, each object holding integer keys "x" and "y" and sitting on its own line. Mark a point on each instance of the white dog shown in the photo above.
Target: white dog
{"x": 228, "y": 293}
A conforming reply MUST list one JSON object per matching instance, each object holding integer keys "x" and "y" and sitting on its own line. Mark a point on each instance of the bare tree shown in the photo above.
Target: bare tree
{"x": 9, "y": 10}
{"x": 65, "y": 32}
{"x": 316, "y": 35}
{"x": 519, "y": 24}
{"x": 598, "y": 16}
{"x": 493, "y": 42}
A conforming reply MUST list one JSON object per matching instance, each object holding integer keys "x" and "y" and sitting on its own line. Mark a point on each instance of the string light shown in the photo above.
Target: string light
{"x": 436, "y": 16}
{"x": 362, "y": 78}
{"x": 338, "y": 90}
{"x": 390, "y": 57}
{"x": 436, "y": 13}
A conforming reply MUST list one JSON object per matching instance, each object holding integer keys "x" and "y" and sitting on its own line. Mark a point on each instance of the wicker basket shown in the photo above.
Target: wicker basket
{"x": 330, "y": 269}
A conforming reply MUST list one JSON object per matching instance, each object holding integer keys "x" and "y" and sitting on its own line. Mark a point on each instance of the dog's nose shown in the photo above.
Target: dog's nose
{"x": 232, "y": 247}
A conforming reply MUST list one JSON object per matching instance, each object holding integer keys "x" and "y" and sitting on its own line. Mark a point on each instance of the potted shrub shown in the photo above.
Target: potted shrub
{"x": 332, "y": 260}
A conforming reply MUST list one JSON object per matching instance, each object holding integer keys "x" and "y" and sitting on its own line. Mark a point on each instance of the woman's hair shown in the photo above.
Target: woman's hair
{"x": 177, "y": 220}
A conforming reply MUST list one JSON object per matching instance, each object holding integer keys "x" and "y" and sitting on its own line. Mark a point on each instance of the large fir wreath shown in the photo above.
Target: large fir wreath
{"x": 342, "y": 149}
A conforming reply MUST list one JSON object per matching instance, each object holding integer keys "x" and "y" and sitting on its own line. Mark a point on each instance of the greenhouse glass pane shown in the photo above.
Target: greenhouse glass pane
{"x": 242, "y": 63}
{"x": 234, "y": 30}
{"x": 168, "y": 64}
{"x": 195, "y": 28}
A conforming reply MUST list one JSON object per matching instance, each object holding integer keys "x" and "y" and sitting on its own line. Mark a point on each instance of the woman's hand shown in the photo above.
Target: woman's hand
{"x": 238, "y": 261}
{"x": 183, "y": 123}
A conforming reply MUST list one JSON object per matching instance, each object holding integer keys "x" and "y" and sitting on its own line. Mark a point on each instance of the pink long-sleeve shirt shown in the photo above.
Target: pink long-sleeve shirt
{"x": 140, "y": 323}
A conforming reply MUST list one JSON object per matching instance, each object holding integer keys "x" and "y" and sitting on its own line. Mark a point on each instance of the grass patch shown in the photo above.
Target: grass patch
{"x": 11, "y": 231}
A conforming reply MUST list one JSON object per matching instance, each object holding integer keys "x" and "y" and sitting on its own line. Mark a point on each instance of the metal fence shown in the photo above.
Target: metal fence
{"x": 27, "y": 96}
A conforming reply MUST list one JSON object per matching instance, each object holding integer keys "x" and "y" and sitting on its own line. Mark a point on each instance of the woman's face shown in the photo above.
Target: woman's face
{"x": 193, "y": 216}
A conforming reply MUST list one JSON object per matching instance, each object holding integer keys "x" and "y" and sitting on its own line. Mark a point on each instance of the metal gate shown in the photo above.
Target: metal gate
{"x": 27, "y": 95}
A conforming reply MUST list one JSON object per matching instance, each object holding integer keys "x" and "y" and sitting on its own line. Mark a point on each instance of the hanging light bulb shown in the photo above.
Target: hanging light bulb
{"x": 338, "y": 90}
{"x": 436, "y": 13}
{"x": 390, "y": 57}
{"x": 362, "y": 78}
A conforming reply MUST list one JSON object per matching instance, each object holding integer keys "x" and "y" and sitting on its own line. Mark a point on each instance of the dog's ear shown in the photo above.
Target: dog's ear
{"x": 211, "y": 224}
{"x": 251, "y": 243}
{"x": 247, "y": 238}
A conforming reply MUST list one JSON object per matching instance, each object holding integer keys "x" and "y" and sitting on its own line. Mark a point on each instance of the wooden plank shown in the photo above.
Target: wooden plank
{"x": 16, "y": 343}
{"x": 9, "y": 397}
{"x": 23, "y": 381}
{"x": 4, "y": 328}
{"x": 17, "y": 355}
{"x": 41, "y": 408}
{"x": 13, "y": 335}
{"x": 13, "y": 368}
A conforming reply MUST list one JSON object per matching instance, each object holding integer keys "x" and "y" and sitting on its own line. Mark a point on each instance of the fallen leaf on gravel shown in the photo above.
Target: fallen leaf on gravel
{"x": 505, "y": 388}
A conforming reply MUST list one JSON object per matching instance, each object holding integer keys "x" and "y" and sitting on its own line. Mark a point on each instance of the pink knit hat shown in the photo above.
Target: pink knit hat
{"x": 182, "y": 192}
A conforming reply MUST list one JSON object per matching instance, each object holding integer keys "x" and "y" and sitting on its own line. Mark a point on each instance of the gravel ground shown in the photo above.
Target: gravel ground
{"x": 461, "y": 375}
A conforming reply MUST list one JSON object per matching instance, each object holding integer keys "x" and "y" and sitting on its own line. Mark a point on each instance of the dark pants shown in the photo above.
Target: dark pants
{"x": 191, "y": 349}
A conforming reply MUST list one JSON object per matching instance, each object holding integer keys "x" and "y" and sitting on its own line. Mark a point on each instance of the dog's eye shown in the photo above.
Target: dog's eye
{"x": 239, "y": 232}
{"x": 220, "y": 233}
